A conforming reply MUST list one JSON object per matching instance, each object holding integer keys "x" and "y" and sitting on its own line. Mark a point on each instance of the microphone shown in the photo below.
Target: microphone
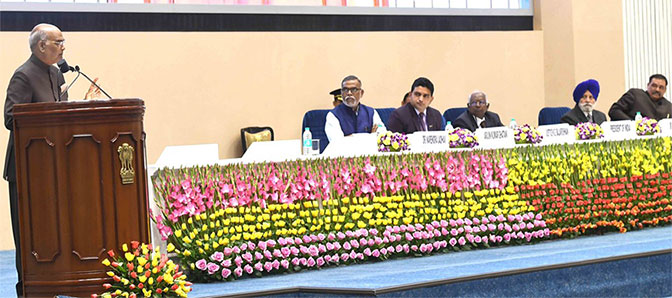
{"x": 64, "y": 67}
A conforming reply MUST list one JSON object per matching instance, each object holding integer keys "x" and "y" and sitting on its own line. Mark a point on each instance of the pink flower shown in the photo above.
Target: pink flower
{"x": 201, "y": 264}
{"x": 248, "y": 269}
{"x": 275, "y": 264}
{"x": 284, "y": 264}
{"x": 507, "y": 237}
{"x": 251, "y": 246}
{"x": 320, "y": 262}
{"x": 367, "y": 252}
{"x": 340, "y": 235}
{"x": 271, "y": 243}
{"x": 330, "y": 246}
{"x": 268, "y": 266}
{"x": 238, "y": 261}
{"x": 375, "y": 253}
{"x": 212, "y": 268}
{"x": 236, "y": 250}
{"x": 295, "y": 261}
{"x": 313, "y": 251}
{"x": 303, "y": 261}
{"x": 226, "y": 273}
{"x": 414, "y": 247}
{"x": 238, "y": 271}
{"x": 248, "y": 257}
{"x": 461, "y": 241}
{"x": 258, "y": 256}
{"x": 262, "y": 245}
{"x": 259, "y": 266}
{"x": 347, "y": 246}
{"x": 452, "y": 242}
{"x": 399, "y": 248}
{"x": 331, "y": 237}
{"x": 226, "y": 263}
{"x": 227, "y": 251}
{"x": 282, "y": 241}
{"x": 295, "y": 251}
{"x": 345, "y": 257}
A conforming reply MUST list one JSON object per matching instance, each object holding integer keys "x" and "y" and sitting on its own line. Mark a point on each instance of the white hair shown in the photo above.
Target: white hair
{"x": 38, "y": 34}
{"x": 477, "y": 92}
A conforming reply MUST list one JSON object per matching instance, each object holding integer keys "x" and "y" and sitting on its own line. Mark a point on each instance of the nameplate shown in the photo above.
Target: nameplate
{"x": 495, "y": 137}
{"x": 424, "y": 141}
{"x": 619, "y": 130}
{"x": 557, "y": 134}
{"x": 665, "y": 126}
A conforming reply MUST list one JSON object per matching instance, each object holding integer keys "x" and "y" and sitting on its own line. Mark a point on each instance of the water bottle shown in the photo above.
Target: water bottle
{"x": 307, "y": 141}
{"x": 638, "y": 116}
{"x": 513, "y": 124}
{"x": 449, "y": 126}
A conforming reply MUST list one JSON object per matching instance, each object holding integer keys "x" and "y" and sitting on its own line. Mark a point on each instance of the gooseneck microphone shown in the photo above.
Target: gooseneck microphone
{"x": 64, "y": 67}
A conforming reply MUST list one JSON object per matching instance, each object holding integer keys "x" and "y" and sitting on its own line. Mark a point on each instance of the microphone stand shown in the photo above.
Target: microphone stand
{"x": 76, "y": 68}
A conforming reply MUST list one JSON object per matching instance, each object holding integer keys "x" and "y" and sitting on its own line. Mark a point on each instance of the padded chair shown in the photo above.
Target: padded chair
{"x": 452, "y": 114}
{"x": 384, "y": 114}
{"x": 548, "y": 116}
{"x": 315, "y": 119}
{"x": 249, "y": 135}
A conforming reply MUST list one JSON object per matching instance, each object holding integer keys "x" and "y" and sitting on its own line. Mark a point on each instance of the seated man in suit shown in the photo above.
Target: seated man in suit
{"x": 416, "y": 115}
{"x": 351, "y": 116}
{"x": 477, "y": 114}
{"x": 650, "y": 103}
{"x": 585, "y": 96}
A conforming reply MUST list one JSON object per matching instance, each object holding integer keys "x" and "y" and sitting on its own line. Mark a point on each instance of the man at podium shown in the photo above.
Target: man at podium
{"x": 36, "y": 80}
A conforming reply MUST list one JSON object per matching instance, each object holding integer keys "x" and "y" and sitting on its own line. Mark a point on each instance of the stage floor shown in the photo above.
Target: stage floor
{"x": 406, "y": 272}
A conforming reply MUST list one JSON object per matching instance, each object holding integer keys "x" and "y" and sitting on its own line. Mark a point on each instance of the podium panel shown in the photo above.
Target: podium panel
{"x": 82, "y": 190}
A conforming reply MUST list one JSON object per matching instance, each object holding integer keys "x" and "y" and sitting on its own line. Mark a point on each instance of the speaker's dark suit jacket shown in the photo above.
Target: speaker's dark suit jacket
{"x": 467, "y": 121}
{"x": 576, "y": 116}
{"x": 405, "y": 120}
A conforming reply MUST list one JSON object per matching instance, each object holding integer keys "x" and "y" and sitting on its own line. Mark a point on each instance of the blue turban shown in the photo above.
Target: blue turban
{"x": 591, "y": 85}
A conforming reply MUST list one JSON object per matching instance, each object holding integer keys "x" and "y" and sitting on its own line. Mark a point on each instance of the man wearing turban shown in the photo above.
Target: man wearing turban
{"x": 585, "y": 96}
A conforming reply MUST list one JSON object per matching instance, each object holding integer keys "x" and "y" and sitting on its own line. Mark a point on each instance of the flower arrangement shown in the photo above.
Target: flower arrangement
{"x": 393, "y": 142}
{"x": 589, "y": 131}
{"x": 647, "y": 127}
{"x": 143, "y": 272}
{"x": 526, "y": 135}
{"x": 462, "y": 138}
{"x": 236, "y": 221}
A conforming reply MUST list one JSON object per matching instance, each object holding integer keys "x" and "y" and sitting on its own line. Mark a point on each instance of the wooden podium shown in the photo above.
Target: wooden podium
{"x": 81, "y": 175}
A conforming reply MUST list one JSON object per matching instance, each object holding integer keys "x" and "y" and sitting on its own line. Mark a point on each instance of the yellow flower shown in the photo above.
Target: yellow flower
{"x": 129, "y": 256}
{"x": 124, "y": 247}
{"x": 141, "y": 261}
{"x": 170, "y": 247}
{"x": 106, "y": 262}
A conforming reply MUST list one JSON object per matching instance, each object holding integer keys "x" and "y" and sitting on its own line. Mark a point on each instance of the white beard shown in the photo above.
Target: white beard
{"x": 586, "y": 108}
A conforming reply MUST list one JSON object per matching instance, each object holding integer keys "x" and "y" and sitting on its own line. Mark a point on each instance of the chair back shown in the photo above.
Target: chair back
{"x": 452, "y": 114}
{"x": 384, "y": 114}
{"x": 315, "y": 119}
{"x": 552, "y": 115}
{"x": 249, "y": 135}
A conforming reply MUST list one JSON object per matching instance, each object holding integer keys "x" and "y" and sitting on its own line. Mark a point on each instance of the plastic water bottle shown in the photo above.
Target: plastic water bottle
{"x": 638, "y": 116}
{"x": 513, "y": 124}
{"x": 307, "y": 141}
{"x": 379, "y": 130}
{"x": 449, "y": 126}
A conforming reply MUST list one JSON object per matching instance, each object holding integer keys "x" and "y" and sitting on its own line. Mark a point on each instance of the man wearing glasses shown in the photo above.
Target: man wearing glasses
{"x": 417, "y": 115}
{"x": 351, "y": 116}
{"x": 477, "y": 114}
{"x": 37, "y": 80}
